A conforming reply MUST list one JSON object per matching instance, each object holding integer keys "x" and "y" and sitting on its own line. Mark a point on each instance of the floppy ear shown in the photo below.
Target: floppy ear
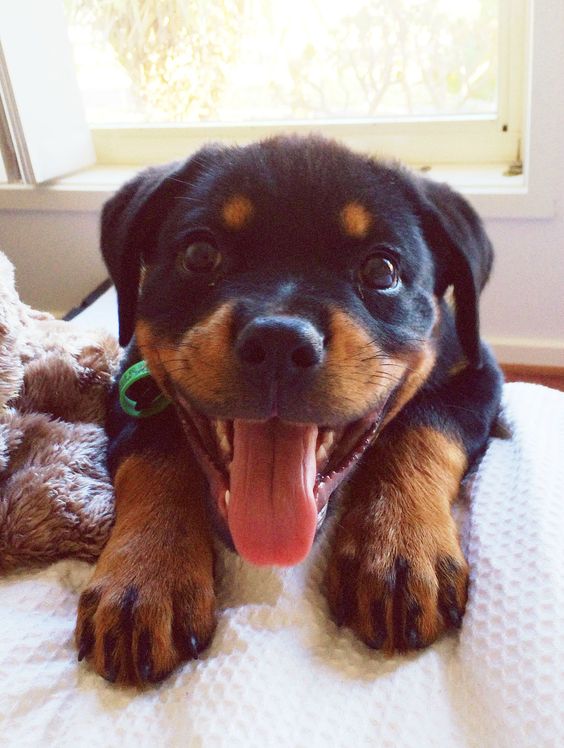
{"x": 130, "y": 225}
{"x": 463, "y": 257}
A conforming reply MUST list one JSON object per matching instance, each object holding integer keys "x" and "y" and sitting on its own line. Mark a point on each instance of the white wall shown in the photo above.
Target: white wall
{"x": 55, "y": 255}
{"x": 523, "y": 306}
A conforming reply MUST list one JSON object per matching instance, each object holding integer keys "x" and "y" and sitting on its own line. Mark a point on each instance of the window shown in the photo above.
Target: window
{"x": 429, "y": 81}
{"x": 235, "y": 61}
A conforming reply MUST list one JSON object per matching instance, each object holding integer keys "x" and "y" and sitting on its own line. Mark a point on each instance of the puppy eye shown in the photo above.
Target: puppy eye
{"x": 379, "y": 272}
{"x": 201, "y": 257}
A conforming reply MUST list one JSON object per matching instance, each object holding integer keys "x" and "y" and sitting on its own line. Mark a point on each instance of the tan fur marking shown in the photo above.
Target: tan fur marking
{"x": 457, "y": 368}
{"x": 430, "y": 465}
{"x": 409, "y": 486}
{"x": 418, "y": 365}
{"x": 151, "y": 347}
{"x": 202, "y": 362}
{"x": 419, "y": 477}
{"x": 355, "y": 220}
{"x": 237, "y": 212}
{"x": 357, "y": 374}
{"x": 209, "y": 354}
{"x": 160, "y": 555}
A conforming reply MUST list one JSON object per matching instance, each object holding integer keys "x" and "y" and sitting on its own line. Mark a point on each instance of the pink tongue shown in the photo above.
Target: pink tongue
{"x": 272, "y": 513}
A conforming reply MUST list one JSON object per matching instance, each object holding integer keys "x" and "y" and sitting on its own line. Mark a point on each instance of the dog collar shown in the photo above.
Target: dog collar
{"x": 128, "y": 378}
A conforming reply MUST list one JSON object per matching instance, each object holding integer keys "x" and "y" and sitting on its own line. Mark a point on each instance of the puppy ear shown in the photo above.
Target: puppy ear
{"x": 463, "y": 257}
{"x": 130, "y": 225}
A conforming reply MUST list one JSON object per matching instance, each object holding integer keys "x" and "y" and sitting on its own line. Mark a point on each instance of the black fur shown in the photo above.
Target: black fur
{"x": 295, "y": 251}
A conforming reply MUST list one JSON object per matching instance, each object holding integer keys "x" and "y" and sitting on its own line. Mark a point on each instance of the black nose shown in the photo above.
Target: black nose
{"x": 280, "y": 346}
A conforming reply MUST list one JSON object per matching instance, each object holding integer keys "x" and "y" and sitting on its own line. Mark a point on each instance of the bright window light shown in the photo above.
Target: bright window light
{"x": 245, "y": 61}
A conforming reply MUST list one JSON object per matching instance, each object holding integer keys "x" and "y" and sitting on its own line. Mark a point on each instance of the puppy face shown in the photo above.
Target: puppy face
{"x": 290, "y": 306}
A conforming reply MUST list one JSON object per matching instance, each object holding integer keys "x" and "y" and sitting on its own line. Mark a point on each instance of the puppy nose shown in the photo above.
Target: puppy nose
{"x": 280, "y": 345}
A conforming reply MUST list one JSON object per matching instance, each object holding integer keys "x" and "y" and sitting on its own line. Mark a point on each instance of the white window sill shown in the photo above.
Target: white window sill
{"x": 493, "y": 194}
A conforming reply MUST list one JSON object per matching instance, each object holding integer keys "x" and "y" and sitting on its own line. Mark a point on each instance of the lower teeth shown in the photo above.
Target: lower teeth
{"x": 321, "y": 515}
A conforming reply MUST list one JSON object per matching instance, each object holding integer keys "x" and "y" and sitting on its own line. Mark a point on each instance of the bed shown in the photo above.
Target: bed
{"x": 280, "y": 673}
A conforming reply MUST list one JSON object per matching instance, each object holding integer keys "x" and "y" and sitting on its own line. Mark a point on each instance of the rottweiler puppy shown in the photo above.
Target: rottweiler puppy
{"x": 290, "y": 300}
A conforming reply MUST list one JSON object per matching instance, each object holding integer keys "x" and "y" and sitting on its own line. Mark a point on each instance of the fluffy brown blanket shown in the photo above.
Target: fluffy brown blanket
{"x": 56, "y": 500}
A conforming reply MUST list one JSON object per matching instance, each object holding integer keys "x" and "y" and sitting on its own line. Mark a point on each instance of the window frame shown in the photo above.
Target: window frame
{"x": 421, "y": 141}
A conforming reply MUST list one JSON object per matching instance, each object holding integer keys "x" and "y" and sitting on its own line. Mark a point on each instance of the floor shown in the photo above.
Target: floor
{"x": 549, "y": 376}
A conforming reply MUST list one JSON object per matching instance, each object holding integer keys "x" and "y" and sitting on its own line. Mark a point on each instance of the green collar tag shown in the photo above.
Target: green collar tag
{"x": 129, "y": 377}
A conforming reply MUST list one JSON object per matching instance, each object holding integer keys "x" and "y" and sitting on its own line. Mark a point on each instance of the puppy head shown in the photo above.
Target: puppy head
{"x": 290, "y": 305}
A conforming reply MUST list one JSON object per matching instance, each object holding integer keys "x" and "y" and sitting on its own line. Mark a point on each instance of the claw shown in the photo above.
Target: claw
{"x": 84, "y": 650}
{"x": 401, "y": 573}
{"x": 194, "y": 647}
{"x": 144, "y": 663}
{"x": 376, "y": 642}
{"x": 159, "y": 677}
{"x": 412, "y": 619}
{"x": 378, "y": 624}
{"x": 86, "y": 641}
{"x": 111, "y": 675}
{"x": 347, "y": 596}
{"x": 110, "y": 668}
{"x": 454, "y": 617}
{"x": 449, "y": 608}
{"x": 413, "y": 638}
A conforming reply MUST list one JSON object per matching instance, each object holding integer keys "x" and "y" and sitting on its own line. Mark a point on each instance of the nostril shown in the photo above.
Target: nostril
{"x": 305, "y": 356}
{"x": 252, "y": 352}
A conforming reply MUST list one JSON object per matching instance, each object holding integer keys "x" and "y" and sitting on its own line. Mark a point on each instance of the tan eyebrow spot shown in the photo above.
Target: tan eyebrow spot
{"x": 237, "y": 212}
{"x": 355, "y": 220}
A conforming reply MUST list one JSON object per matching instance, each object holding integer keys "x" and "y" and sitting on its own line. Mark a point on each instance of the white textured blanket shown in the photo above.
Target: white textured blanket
{"x": 280, "y": 673}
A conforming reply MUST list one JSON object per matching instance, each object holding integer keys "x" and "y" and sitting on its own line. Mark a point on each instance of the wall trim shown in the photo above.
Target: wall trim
{"x": 535, "y": 351}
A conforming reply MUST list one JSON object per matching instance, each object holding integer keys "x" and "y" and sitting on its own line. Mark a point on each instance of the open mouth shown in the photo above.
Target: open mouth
{"x": 271, "y": 480}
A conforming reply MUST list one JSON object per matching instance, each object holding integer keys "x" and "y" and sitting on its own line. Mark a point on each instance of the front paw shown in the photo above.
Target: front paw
{"x": 136, "y": 626}
{"x": 398, "y": 589}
